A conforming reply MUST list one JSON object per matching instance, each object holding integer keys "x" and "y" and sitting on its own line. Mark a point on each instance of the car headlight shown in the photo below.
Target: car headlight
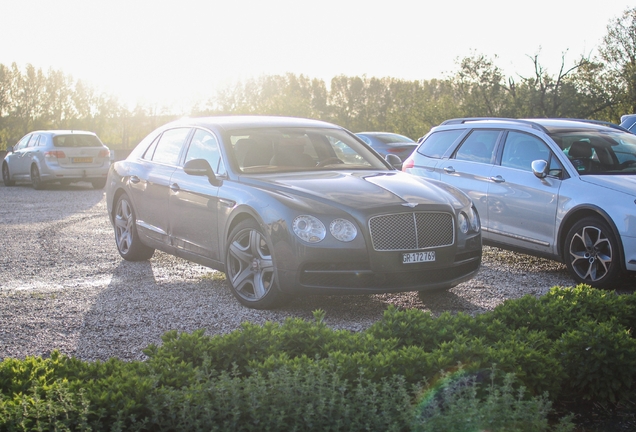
{"x": 475, "y": 223}
{"x": 343, "y": 230}
{"x": 309, "y": 229}
{"x": 463, "y": 222}
{"x": 470, "y": 221}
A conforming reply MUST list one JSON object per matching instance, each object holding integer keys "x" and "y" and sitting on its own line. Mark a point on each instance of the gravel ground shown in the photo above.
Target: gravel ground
{"x": 64, "y": 286}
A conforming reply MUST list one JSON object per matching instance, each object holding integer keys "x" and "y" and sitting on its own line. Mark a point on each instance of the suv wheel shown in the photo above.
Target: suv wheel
{"x": 591, "y": 253}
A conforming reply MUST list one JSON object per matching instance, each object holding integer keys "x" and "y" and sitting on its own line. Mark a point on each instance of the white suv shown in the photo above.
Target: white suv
{"x": 557, "y": 188}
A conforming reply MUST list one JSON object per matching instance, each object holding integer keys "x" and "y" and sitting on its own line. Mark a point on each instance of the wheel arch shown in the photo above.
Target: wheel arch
{"x": 582, "y": 212}
{"x": 118, "y": 193}
{"x": 241, "y": 214}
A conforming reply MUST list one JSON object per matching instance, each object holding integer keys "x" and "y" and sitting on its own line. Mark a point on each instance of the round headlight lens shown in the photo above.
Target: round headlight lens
{"x": 463, "y": 222}
{"x": 309, "y": 229}
{"x": 475, "y": 223}
{"x": 343, "y": 230}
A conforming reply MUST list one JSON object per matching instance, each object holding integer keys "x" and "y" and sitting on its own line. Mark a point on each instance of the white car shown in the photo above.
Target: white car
{"x": 63, "y": 156}
{"x": 557, "y": 188}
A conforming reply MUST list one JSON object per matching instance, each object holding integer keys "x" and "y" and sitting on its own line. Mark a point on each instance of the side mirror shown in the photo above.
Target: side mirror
{"x": 201, "y": 167}
{"x": 9, "y": 149}
{"x": 394, "y": 160}
{"x": 540, "y": 168}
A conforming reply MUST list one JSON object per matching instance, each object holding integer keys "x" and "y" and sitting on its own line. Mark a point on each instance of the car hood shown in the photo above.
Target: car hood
{"x": 620, "y": 183}
{"x": 365, "y": 189}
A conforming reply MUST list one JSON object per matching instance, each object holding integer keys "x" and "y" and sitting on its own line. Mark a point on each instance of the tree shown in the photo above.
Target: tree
{"x": 618, "y": 52}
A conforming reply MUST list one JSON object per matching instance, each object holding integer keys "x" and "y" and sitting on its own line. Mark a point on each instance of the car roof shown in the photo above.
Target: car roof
{"x": 548, "y": 125}
{"x": 250, "y": 121}
{"x": 63, "y": 132}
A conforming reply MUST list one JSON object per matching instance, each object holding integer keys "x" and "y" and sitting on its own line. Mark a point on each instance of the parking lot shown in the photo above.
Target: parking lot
{"x": 64, "y": 286}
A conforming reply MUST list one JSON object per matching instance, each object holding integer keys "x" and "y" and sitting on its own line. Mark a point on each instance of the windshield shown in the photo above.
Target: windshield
{"x": 599, "y": 152}
{"x": 299, "y": 149}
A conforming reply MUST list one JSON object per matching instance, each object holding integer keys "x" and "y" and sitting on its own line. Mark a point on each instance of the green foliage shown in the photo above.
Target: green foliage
{"x": 572, "y": 344}
{"x": 458, "y": 404}
{"x": 599, "y": 359}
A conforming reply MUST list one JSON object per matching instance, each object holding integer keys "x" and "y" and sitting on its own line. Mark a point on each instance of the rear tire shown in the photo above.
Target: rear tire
{"x": 98, "y": 184}
{"x": 591, "y": 253}
{"x": 6, "y": 175}
{"x": 36, "y": 180}
{"x": 250, "y": 267}
{"x": 127, "y": 240}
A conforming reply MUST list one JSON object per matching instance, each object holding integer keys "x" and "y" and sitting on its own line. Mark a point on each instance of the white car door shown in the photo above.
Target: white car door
{"x": 522, "y": 207}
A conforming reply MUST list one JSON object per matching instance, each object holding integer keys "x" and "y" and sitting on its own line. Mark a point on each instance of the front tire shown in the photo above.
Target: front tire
{"x": 36, "y": 180}
{"x": 250, "y": 267}
{"x": 128, "y": 244}
{"x": 6, "y": 176}
{"x": 591, "y": 253}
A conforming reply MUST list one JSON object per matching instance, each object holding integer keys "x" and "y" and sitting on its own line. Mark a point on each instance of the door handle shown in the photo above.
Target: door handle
{"x": 134, "y": 179}
{"x": 498, "y": 179}
{"x": 175, "y": 187}
{"x": 449, "y": 170}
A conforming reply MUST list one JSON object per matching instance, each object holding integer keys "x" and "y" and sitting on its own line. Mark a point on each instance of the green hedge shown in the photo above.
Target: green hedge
{"x": 573, "y": 344}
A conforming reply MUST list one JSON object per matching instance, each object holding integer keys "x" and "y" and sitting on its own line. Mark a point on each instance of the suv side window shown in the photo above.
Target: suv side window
{"x": 521, "y": 149}
{"x": 437, "y": 143}
{"x": 169, "y": 146}
{"x": 478, "y": 146}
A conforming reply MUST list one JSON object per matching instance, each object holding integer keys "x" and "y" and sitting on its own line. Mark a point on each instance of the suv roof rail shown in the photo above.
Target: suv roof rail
{"x": 504, "y": 119}
{"x": 600, "y": 123}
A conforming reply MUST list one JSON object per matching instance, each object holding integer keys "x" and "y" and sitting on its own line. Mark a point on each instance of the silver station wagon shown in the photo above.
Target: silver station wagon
{"x": 57, "y": 156}
{"x": 270, "y": 202}
{"x": 557, "y": 188}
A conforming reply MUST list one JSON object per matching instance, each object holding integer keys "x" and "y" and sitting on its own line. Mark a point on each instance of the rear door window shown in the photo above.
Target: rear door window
{"x": 169, "y": 146}
{"x": 437, "y": 143}
{"x": 479, "y": 146}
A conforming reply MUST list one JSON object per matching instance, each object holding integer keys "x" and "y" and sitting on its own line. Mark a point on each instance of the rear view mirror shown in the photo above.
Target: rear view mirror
{"x": 540, "y": 168}
{"x": 201, "y": 167}
{"x": 394, "y": 160}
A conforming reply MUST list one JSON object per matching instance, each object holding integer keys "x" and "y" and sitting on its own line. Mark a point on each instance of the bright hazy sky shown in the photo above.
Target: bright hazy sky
{"x": 161, "y": 51}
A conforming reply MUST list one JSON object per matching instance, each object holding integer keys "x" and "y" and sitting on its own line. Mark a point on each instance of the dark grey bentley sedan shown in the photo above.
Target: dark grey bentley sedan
{"x": 273, "y": 203}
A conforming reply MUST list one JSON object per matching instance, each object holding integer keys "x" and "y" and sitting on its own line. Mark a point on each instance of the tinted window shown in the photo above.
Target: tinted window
{"x": 169, "y": 146}
{"x": 76, "y": 140}
{"x": 437, "y": 143}
{"x": 521, "y": 149}
{"x": 205, "y": 146}
{"x": 478, "y": 146}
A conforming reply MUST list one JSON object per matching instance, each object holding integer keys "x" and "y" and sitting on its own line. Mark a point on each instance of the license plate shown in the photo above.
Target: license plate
{"x": 83, "y": 160}
{"x": 418, "y": 257}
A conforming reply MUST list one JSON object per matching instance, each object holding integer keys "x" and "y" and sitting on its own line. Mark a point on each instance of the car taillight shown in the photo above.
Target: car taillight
{"x": 397, "y": 149}
{"x": 55, "y": 154}
{"x": 103, "y": 154}
{"x": 408, "y": 163}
